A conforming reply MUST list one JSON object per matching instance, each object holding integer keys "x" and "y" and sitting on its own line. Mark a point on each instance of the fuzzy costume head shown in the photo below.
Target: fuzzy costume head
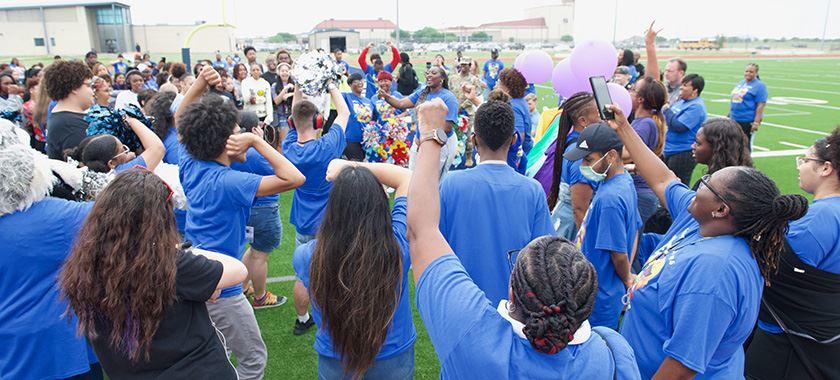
{"x": 25, "y": 174}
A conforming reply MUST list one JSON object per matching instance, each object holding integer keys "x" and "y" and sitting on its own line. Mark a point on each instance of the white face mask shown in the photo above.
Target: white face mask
{"x": 591, "y": 174}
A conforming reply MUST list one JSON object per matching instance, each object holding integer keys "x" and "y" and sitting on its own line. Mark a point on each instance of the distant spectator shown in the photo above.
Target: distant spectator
{"x": 746, "y": 105}
{"x": 120, "y": 67}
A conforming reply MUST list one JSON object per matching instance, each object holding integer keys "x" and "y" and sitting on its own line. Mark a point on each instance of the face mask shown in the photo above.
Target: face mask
{"x": 591, "y": 174}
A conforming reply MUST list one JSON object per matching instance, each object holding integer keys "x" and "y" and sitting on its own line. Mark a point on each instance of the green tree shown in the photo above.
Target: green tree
{"x": 567, "y": 38}
{"x": 404, "y": 34}
{"x": 480, "y": 36}
{"x": 428, "y": 34}
{"x": 282, "y": 37}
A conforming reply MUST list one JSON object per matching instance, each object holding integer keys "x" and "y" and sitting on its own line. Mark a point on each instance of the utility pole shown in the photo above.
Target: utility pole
{"x": 825, "y": 24}
{"x": 398, "y": 24}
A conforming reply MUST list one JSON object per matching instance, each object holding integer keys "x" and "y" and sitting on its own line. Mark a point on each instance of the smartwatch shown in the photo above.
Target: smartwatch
{"x": 438, "y": 135}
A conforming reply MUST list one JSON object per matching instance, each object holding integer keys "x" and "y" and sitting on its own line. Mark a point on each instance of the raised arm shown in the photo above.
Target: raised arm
{"x": 363, "y": 57}
{"x": 153, "y": 149}
{"x": 286, "y": 175}
{"x": 652, "y": 69}
{"x": 389, "y": 175}
{"x": 207, "y": 78}
{"x": 648, "y": 165}
{"x": 425, "y": 240}
{"x": 341, "y": 109}
{"x": 395, "y": 56}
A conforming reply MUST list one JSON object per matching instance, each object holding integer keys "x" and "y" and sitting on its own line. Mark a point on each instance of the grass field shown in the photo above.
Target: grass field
{"x": 804, "y": 105}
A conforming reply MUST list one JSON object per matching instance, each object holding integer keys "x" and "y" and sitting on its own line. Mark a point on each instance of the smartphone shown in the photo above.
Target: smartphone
{"x": 428, "y": 65}
{"x": 602, "y": 97}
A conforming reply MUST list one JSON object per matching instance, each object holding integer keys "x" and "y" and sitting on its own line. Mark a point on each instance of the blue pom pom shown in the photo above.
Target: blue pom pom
{"x": 103, "y": 120}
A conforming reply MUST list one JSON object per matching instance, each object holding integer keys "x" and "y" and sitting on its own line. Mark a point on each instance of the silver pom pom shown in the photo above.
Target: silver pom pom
{"x": 313, "y": 71}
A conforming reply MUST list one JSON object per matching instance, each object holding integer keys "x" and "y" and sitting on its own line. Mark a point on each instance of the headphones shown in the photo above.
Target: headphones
{"x": 317, "y": 121}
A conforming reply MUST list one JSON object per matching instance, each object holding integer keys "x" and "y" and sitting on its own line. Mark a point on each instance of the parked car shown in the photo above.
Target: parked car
{"x": 763, "y": 47}
{"x": 800, "y": 45}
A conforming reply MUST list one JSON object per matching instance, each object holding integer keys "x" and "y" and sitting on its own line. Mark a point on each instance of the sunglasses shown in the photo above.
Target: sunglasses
{"x": 704, "y": 180}
{"x": 171, "y": 192}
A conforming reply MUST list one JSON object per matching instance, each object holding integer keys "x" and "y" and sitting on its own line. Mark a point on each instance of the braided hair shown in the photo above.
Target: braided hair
{"x": 554, "y": 290}
{"x": 572, "y": 109}
{"x": 761, "y": 215}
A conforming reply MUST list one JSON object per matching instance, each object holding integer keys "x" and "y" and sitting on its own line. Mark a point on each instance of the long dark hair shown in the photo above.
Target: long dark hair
{"x": 554, "y": 290}
{"x": 761, "y": 215}
{"x": 159, "y": 109}
{"x": 120, "y": 276}
{"x": 356, "y": 270}
{"x": 627, "y": 58}
{"x": 729, "y": 144}
{"x": 654, "y": 96}
{"x": 427, "y": 90}
{"x": 572, "y": 109}
{"x": 95, "y": 152}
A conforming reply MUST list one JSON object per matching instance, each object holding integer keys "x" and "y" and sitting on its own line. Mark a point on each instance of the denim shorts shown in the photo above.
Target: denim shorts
{"x": 268, "y": 231}
{"x": 397, "y": 367}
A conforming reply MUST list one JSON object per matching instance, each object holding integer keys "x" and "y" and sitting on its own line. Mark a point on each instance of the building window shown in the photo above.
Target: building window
{"x": 52, "y": 41}
{"x": 39, "y": 42}
{"x": 108, "y": 16}
{"x": 565, "y": 21}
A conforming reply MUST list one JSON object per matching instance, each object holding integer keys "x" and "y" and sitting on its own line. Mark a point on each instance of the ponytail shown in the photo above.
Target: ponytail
{"x": 572, "y": 108}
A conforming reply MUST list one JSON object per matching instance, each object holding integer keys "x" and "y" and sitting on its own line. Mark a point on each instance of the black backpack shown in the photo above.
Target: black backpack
{"x": 407, "y": 80}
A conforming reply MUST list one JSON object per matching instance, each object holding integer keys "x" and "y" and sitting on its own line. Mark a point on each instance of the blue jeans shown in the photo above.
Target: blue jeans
{"x": 396, "y": 368}
{"x": 302, "y": 239}
{"x": 268, "y": 231}
{"x": 648, "y": 202}
{"x": 563, "y": 215}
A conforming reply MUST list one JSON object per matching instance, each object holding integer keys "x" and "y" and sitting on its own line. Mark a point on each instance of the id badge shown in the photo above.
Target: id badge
{"x": 249, "y": 234}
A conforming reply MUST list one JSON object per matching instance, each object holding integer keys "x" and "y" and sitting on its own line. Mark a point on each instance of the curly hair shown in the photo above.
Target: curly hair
{"x": 178, "y": 69}
{"x": 828, "y": 149}
{"x": 119, "y": 252}
{"x": 514, "y": 82}
{"x": 554, "y": 289}
{"x": 63, "y": 77}
{"x": 205, "y": 127}
{"x": 159, "y": 109}
{"x": 729, "y": 144}
{"x": 494, "y": 124}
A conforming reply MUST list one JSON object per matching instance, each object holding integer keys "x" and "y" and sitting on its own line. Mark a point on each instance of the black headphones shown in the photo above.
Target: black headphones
{"x": 317, "y": 121}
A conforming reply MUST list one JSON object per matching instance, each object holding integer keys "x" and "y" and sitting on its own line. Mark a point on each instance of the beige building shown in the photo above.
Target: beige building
{"x": 559, "y": 18}
{"x": 171, "y": 38}
{"x": 350, "y": 35}
{"x": 547, "y": 23}
{"x": 62, "y": 28}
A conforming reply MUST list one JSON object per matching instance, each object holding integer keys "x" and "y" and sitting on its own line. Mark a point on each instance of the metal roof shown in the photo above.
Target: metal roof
{"x": 61, "y": 4}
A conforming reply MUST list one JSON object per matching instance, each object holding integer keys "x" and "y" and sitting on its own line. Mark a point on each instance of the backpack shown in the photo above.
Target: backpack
{"x": 407, "y": 80}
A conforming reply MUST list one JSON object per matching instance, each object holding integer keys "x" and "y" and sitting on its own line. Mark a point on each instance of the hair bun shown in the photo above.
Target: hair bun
{"x": 789, "y": 207}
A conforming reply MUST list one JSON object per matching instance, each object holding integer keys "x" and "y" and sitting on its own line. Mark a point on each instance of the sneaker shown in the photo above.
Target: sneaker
{"x": 249, "y": 291}
{"x": 268, "y": 301}
{"x": 302, "y": 327}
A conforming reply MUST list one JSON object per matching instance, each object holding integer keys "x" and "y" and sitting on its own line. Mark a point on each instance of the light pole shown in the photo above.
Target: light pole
{"x": 825, "y": 24}
{"x": 398, "y": 24}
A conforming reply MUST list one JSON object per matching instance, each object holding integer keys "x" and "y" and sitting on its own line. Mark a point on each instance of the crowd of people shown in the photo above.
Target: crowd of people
{"x": 140, "y": 206}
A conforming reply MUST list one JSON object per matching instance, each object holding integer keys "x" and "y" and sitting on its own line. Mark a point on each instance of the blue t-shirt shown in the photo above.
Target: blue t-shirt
{"x": 492, "y": 68}
{"x": 646, "y": 128}
{"x": 255, "y": 163}
{"x": 571, "y": 169}
{"x": 136, "y": 161}
{"x": 696, "y": 300}
{"x": 120, "y": 68}
{"x": 522, "y": 122}
{"x": 372, "y": 85}
{"x": 447, "y": 96}
{"x": 312, "y": 159}
{"x": 691, "y": 114}
{"x": 814, "y": 239}
{"x": 744, "y": 99}
{"x": 487, "y": 211}
{"x": 37, "y": 343}
{"x": 610, "y": 225}
{"x": 362, "y": 112}
{"x": 219, "y": 201}
{"x": 385, "y": 111}
{"x": 473, "y": 341}
{"x": 173, "y": 147}
{"x": 401, "y": 332}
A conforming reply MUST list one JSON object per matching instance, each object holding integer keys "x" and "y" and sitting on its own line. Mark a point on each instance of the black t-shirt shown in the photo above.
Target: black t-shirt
{"x": 186, "y": 345}
{"x": 65, "y": 130}
{"x": 270, "y": 77}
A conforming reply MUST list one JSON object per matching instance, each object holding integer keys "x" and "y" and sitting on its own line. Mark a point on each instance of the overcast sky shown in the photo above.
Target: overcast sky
{"x": 686, "y": 19}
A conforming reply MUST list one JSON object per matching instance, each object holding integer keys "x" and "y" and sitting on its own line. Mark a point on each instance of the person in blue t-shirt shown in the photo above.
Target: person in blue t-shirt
{"x": 338, "y": 54}
{"x": 120, "y": 67}
{"x": 385, "y": 111}
{"x": 570, "y": 192}
{"x": 649, "y": 96}
{"x": 609, "y": 231}
{"x": 437, "y": 86}
{"x": 512, "y": 82}
{"x": 492, "y": 68}
{"x": 356, "y": 271}
{"x": 376, "y": 66}
{"x": 747, "y": 101}
{"x": 161, "y": 109}
{"x": 311, "y": 155}
{"x": 684, "y": 118}
{"x": 362, "y": 112}
{"x": 37, "y": 331}
{"x": 804, "y": 294}
{"x": 490, "y": 209}
{"x": 696, "y": 300}
{"x": 220, "y": 199}
{"x": 541, "y": 332}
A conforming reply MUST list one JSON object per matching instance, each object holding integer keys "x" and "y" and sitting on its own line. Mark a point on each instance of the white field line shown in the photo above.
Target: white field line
{"x": 818, "y": 133}
{"x": 761, "y": 148}
{"x": 792, "y": 145}
{"x": 786, "y": 88}
{"x": 835, "y": 108}
{"x": 778, "y": 153}
{"x": 272, "y": 280}
{"x": 774, "y": 76}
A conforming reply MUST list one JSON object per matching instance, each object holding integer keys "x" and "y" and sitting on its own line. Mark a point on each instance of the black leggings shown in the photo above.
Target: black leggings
{"x": 682, "y": 164}
{"x": 771, "y": 357}
{"x": 354, "y": 151}
{"x": 746, "y": 126}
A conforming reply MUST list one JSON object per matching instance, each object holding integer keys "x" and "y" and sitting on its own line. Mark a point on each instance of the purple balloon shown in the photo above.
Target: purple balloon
{"x": 621, "y": 97}
{"x": 535, "y": 66}
{"x": 565, "y": 83}
{"x": 594, "y": 58}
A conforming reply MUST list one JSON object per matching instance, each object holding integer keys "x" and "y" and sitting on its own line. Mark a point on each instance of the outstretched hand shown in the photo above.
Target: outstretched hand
{"x": 650, "y": 34}
{"x": 431, "y": 115}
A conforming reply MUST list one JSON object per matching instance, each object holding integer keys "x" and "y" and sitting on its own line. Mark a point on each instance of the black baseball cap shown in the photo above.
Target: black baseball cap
{"x": 597, "y": 137}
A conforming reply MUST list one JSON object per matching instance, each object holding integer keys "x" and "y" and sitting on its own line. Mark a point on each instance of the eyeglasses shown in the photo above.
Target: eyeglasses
{"x": 704, "y": 180}
{"x": 171, "y": 192}
{"x": 125, "y": 151}
{"x": 93, "y": 82}
{"x": 511, "y": 258}
{"x": 803, "y": 160}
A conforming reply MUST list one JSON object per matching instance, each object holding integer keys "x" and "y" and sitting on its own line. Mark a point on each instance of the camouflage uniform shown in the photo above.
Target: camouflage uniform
{"x": 456, "y": 80}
